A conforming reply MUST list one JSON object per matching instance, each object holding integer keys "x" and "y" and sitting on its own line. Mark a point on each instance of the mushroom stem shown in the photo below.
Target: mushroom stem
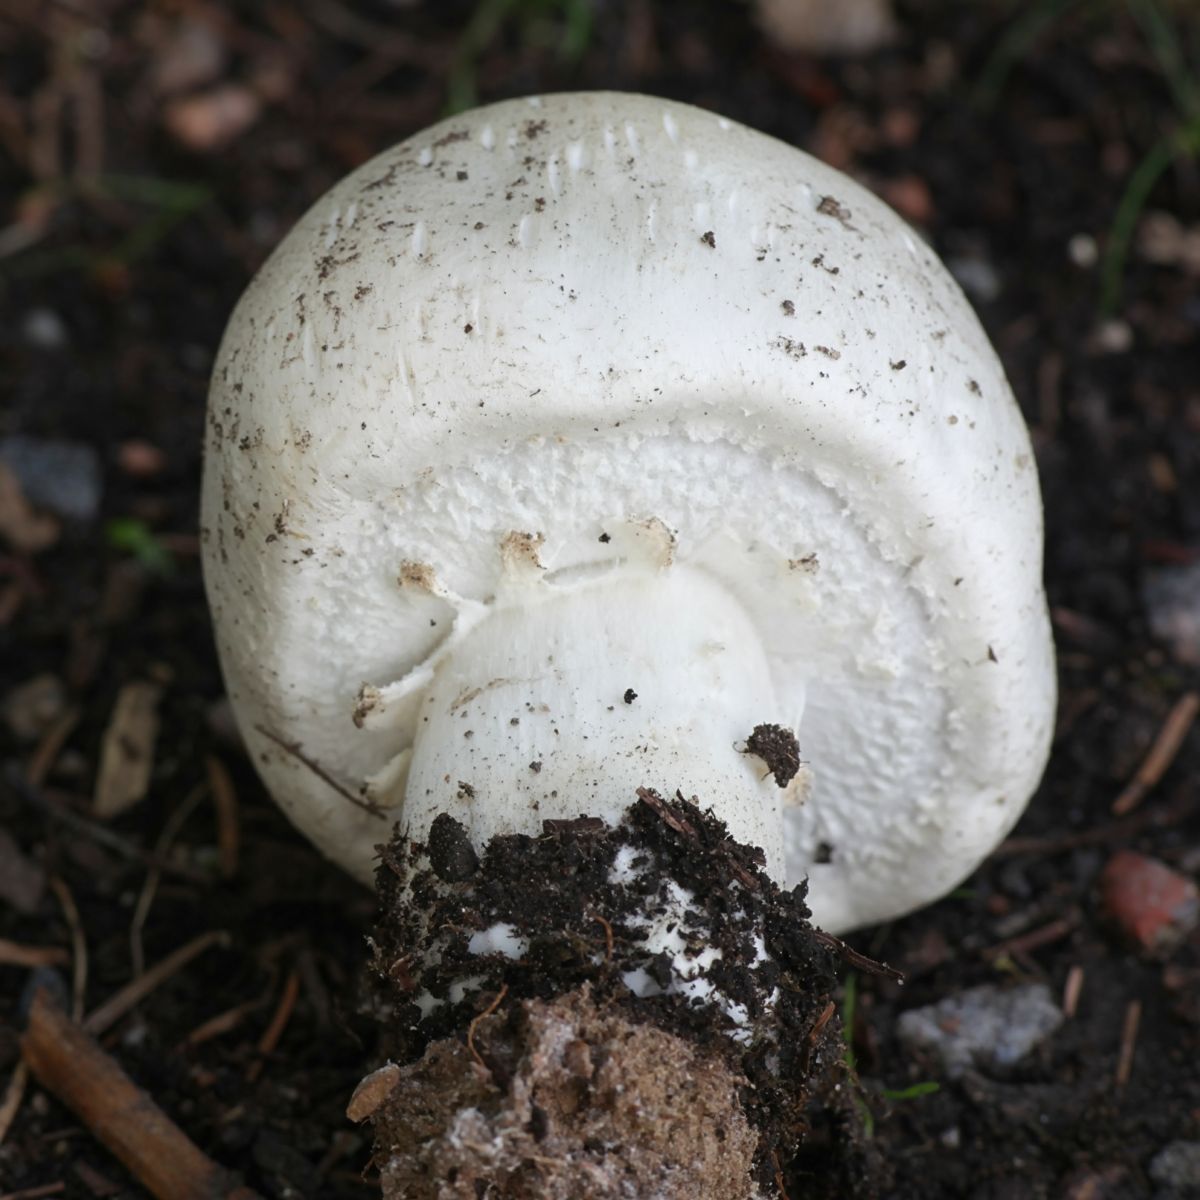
{"x": 566, "y": 699}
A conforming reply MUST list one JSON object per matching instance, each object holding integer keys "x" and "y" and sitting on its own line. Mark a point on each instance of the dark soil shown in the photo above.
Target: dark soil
{"x": 139, "y": 198}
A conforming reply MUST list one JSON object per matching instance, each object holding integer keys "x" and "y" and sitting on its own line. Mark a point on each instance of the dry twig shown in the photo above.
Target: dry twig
{"x": 1162, "y": 753}
{"x": 1129, "y": 1033}
{"x": 13, "y": 1095}
{"x": 58, "y": 810}
{"x": 223, "y": 1022}
{"x": 162, "y": 849}
{"x": 79, "y": 956}
{"x": 134, "y": 992}
{"x": 608, "y": 936}
{"x": 1044, "y": 935}
{"x": 225, "y": 802}
{"x": 50, "y": 747}
{"x": 855, "y": 959}
{"x": 36, "y": 1193}
{"x": 68, "y": 1063}
{"x": 13, "y": 954}
{"x": 487, "y": 1012}
{"x": 1122, "y": 831}
{"x": 778, "y": 1172}
{"x": 274, "y": 1031}
{"x": 1072, "y": 989}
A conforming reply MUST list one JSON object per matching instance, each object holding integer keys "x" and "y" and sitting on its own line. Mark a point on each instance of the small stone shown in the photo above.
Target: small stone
{"x": 900, "y": 126}
{"x": 910, "y": 196}
{"x": 141, "y": 459}
{"x": 59, "y": 476}
{"x": 43, "y": 329}
{"x": 212, "y": 120}
{"x": 1104, "y": 1183}
{"x": 1166, "y": 242}
{"x": 1171, "y": 597}
{"x": 191, "y": 56}
{"x": 977, "y": 277}
{"x": 451, "y": 854}
{"x": 33, "y": 706}
{"x": 1154, "y": 906}
{"x": 987, "y": 1026}
{"x": 1113, "y": 336}
{"x": 816, "y": 27}
{"x": 1177, "y": 1165}
{"x": 1083, "y": 251}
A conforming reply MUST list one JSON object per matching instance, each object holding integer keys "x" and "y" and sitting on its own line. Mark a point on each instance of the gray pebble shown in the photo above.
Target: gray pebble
{"x": 1177, "y": 1166}
{"x": 43, "y": 329}
{"x": 60, "y": 477}
{"x": 1172, "y": 600}
{"x": 987, "y": 1026}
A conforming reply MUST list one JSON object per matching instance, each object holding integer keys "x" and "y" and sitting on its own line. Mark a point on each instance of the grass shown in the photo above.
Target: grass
{"x": 1162, "y": 36}
{"x": 564, "y": 24}
{"x": 915, "y": 1091}
{"x": 134, "y": 537}
{"x": 163, "y": 204}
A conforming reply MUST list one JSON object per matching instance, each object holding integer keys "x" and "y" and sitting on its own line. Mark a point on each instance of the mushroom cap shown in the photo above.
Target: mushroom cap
{"x": 563, "y": 313}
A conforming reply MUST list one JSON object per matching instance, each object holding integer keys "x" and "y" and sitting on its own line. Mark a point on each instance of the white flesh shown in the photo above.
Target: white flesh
{"x": 613, "y": 314}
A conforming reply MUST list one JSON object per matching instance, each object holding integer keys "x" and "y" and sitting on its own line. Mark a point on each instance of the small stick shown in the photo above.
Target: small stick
{"x": 1129, "y": 1032}
{"x": 1162, "y": 753}
{"x": 821, "y": 1021}
{"x": 13, "y": 954}
{"x": 222, "y": 1023}
{"x": 50, "y": 747}
{"x": 657, "y": 805}
{"x": 141, "y": 910}
{"x": 13, "y": 1095}
{"x": 1072, "y": 989}
{"x": 134, "y": 992}
{"x": 855, "y": 959}
{"x": 778, "y": 1175}
{"x": 1179, "y": 810}
{"x": 810, "y": 1043}
{"x": 1055, "y": 931}
{"x": 35, "y": 1193}
{"x": 69, "y": 1064}
{"x": 53, "y": 807}
{"x": 225, "y": 802}
{"x": 297, "y": 752}
{"x": 79, "y": 957}
{"x": 608, "y": 936}
{"x": 274, "y": 1031}
{"x": 487, "y": 1012}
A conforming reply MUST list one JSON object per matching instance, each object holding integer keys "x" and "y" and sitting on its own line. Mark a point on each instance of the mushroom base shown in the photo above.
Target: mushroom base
{"x": 606, "y": 1011}
{"x": 569, "y": 1102}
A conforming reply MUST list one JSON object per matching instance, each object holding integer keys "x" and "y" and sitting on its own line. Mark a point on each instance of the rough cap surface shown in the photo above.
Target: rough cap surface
{"x": 559, "y": 314}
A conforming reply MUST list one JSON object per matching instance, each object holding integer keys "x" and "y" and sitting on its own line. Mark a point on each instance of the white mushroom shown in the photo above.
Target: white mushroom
{"x": 564, "y": 444}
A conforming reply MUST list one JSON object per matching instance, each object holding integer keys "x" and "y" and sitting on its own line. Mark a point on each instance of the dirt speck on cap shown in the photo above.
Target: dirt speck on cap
{"x": 778, "y": 748}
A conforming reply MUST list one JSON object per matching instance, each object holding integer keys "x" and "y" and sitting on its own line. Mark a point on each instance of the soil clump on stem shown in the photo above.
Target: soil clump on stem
{"x": 606, "y": 1011}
